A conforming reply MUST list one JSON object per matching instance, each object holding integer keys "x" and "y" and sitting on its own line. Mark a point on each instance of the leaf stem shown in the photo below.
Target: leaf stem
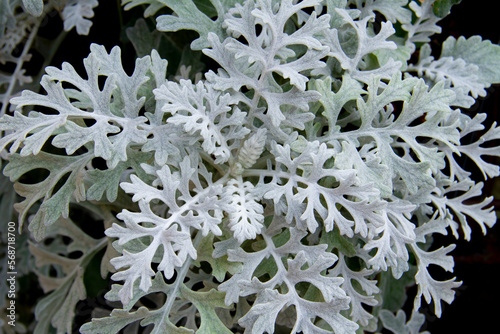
{"x": 19, "y": 66}
{"x": 181, "y": 274}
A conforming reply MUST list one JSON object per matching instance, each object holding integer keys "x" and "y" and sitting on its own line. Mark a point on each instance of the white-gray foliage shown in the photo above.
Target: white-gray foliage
{"x": 314, "y": 160}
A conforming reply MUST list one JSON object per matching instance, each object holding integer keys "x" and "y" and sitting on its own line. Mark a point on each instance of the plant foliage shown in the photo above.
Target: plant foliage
{"x": 273, "y": 192}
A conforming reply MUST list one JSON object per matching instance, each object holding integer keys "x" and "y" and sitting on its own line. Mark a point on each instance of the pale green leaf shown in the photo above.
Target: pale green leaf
{"x": 206, "y": 303}
{"x": 57, "y": 309}
{"x": 55, "y": 203}
{"x": 115, "y": 322}
{"x": 484, "y": 54}
{"x": 142, "y": 38}
{"x": 34, "y": 7}
{"x": 333, "y": 102}
{"x": 188, "y": 16}
{"x": 398, "y": 324}
{"x": 107, "y": 181}
{"x": 220, "y": 265}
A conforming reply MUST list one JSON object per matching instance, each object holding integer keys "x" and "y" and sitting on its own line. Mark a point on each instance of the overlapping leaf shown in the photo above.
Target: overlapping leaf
{"x": 114, "y": 109}
{"x": 353, "y": 58}
{"x": 170, "y": 232}
{"x": 302, "y": 187}
{"x": 357, "y": 298}
{"x": 252, "y": 63}
{"x": 67, "y": 288}
{"x": 275, "y": 191}
{"x": 376, "y": 115}
{"x": 70, "y": 170}
{"x": 200, "y": 109}
{"x": 262, "y": 315}
{"x": 181, "y": 303}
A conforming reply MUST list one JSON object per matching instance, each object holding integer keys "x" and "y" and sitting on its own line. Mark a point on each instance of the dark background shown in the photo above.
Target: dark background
{"x": 477, "y": 263}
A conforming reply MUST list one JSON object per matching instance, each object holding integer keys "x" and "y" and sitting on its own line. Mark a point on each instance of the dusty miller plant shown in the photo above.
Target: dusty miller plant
{"x": 294, "y": 187}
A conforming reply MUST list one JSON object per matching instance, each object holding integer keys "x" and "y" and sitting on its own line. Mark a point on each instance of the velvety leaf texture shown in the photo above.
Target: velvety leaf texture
{"x": 280, "y": 191}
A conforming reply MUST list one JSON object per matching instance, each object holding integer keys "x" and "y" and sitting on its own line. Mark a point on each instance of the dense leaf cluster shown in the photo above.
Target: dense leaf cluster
{"x": 273, "y": 192}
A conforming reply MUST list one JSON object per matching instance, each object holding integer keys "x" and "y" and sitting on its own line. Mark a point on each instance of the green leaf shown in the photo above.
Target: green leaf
{"x": 394, "y": 290}
{"x": 220, "y": 265}
{"x": 58, "y": 307}
{"x": 206, "y": 7}
{"x": 206, "y": 302}
{"x": 142, "y": 38}
{"x": 107, "y": 181}
{"x": 151, "y": 9}
{"x": 441, "y": 8}
{"x": 68, "y": 170}
{"x": 334, "y": 240}
{"x": 117, "y": 320}
{"x": 333, "y": 102}
{"x": 181, "y": 303}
